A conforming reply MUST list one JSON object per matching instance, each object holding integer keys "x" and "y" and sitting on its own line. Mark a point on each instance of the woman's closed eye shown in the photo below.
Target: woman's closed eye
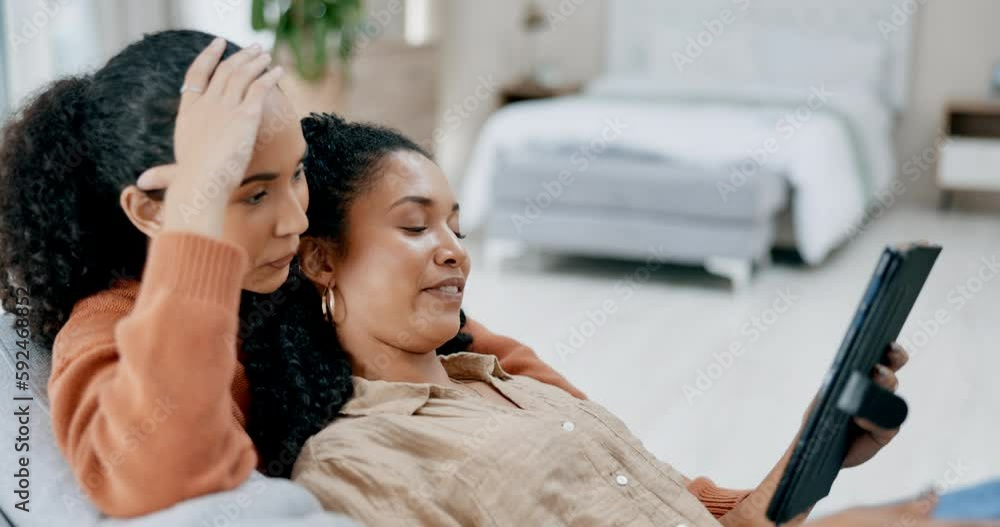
{"x": 256, "y": 198}
{"x": 417, "y": 230}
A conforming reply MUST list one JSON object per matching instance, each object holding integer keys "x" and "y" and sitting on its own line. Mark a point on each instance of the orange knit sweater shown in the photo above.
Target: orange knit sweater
{"x": 148, "y": 397}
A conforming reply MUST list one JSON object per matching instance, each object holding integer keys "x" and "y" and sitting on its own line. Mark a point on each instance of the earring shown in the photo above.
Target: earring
{"x": 329, "y": 302}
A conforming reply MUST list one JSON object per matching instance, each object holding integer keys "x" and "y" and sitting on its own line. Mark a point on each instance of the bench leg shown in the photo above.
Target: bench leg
{"x": 946, "y": 200}
{"x": 737, "y": 270}
{"x": 496, "y": 251}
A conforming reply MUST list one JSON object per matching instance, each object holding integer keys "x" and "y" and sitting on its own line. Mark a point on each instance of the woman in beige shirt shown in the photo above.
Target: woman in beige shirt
{"x": 456, "y": 440}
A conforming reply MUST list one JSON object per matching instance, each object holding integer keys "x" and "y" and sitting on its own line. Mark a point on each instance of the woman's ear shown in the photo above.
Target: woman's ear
{"x": 143, "y": 211}
{"x": 316, "y": 257}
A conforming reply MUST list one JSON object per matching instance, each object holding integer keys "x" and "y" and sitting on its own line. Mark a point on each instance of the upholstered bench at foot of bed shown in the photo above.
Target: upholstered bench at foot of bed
{"x": 626, "y": 206}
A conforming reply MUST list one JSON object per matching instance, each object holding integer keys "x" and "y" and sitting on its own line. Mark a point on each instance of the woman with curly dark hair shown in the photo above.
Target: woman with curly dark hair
{"x": 152, "y": 211}
{"x": 427, "y": 439}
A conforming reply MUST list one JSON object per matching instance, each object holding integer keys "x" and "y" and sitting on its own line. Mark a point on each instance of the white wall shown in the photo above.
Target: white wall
{"x": 227, "y": 18}
{"x": 957, "y": 46}
{"x": 482, "y": 45}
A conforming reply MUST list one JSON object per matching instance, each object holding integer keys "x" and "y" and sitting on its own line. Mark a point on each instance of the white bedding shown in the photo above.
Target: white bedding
{"x": 836, "y": 159}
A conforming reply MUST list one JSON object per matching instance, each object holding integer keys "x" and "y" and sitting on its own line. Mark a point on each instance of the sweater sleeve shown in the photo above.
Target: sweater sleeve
{"x": 717, "y": 500}
{"x": 141, "y": 403}
{"x": 516, "y": 358}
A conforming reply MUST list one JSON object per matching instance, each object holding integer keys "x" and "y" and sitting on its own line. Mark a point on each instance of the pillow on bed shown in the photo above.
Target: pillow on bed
{"x": 800, "y": 59}
{"x": 684, "y": 59}
{"x": 648, "y": 88}
{"x": 747, "y": 54}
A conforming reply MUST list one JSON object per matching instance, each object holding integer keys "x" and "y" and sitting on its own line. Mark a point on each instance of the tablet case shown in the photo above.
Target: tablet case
{"x": 848, "y": 390}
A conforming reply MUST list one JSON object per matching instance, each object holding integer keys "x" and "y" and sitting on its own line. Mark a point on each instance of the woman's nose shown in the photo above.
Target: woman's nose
{"x": 292, "y": 220}
{"x": 451, "y": 252}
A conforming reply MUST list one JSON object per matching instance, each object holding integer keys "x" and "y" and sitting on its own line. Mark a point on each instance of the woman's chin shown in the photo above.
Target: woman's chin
{"x": 266, "y": 282}
{"x": 441, "y": 330}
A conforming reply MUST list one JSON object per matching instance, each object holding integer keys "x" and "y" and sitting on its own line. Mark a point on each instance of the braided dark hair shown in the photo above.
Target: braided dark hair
{"x": 299, "y": 374}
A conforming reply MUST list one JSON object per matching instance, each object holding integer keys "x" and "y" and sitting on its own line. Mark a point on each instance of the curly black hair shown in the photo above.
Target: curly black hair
{"x": 65, "y": 157}
{"x": 299, "y": 374}
{"x": 67, "y": 154}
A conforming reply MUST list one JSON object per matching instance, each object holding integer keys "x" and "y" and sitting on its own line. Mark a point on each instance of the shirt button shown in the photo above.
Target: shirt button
{"x": 621, "y": 480}
{"x": 568, "y": 426}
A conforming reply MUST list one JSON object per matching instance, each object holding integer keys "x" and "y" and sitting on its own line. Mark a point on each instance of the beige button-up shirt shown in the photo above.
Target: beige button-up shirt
{"x": 425, "y": 454}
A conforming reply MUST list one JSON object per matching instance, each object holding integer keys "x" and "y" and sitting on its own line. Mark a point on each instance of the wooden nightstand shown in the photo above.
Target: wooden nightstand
{"x": 529, "y": 91}
{"x": 970, "y": 160}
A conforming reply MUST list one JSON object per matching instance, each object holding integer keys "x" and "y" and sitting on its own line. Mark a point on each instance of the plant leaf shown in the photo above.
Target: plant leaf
{"x": 320, "y": 43}
{"x": 257, "y": 20}
{"x": 287, "y": 33}
{"x": 298, "y": 28}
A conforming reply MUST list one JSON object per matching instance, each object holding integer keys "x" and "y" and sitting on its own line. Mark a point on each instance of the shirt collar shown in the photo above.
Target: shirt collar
{"x": 405, "y": 398}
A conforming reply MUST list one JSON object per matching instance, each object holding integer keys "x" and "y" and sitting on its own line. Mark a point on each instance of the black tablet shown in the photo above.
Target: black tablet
{"x": 847, "y": 390}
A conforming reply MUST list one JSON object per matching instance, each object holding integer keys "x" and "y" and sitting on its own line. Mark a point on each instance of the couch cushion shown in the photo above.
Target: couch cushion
{"x": 55, "y": 499}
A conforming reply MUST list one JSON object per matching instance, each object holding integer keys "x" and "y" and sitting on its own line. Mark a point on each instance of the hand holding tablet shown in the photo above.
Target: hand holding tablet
{"x": 848, "y": 392}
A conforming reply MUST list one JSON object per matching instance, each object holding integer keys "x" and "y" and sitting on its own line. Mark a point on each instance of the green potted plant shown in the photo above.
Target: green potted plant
{"x": 305, "y": 33}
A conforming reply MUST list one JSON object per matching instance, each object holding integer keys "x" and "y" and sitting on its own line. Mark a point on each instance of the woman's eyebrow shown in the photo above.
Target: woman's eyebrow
{"x": 264, "y": 176}
{"x": 423, "y": 201}
{"x": 268, "y": 176}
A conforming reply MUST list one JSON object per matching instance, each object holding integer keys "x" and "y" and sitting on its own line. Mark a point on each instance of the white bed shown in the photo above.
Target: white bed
{"x": 793, "y": 87}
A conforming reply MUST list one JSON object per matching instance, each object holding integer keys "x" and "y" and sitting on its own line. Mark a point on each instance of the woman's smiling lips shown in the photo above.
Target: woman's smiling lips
{"x": 448, "y": 290}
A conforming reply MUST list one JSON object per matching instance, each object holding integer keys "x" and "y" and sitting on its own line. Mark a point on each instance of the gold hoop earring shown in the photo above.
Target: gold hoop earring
{"x": 329, "y": 302}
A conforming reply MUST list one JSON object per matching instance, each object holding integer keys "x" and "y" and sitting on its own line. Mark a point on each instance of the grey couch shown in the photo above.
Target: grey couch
{"x": 56, "y": 500}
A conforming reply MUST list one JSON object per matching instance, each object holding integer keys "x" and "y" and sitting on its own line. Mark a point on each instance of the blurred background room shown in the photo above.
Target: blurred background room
{"x": 676, "y": 203}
